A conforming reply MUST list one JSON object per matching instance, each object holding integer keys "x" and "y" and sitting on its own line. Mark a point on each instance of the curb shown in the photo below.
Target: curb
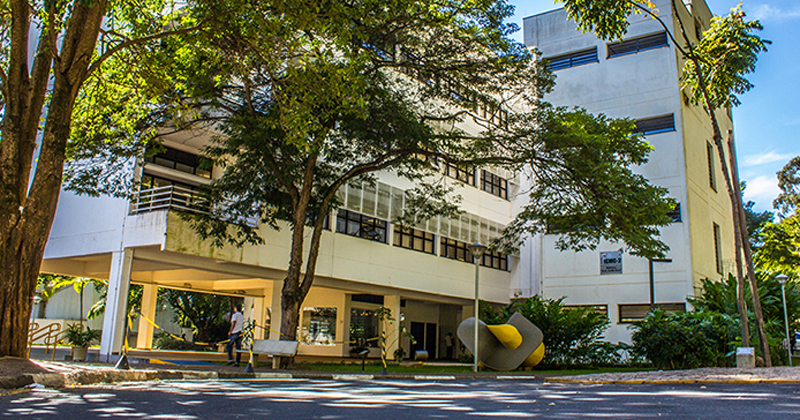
{"x": 673, "y": 381}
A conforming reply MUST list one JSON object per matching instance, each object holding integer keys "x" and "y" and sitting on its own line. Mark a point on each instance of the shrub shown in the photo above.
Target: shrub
{"x": 571, "y": 335}
{"x": 167, "y": 342}
{"x": 685, "y": 340}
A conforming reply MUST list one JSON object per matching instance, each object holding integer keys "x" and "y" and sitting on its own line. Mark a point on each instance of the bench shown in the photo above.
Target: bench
{"x": 274, "y": 348}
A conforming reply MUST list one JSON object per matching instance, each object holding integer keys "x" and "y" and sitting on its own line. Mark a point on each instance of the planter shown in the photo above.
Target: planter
{"x": 79, "y": 353}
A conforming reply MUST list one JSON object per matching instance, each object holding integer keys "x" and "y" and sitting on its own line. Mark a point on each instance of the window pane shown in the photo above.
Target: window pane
{"x": 319, "y": 326}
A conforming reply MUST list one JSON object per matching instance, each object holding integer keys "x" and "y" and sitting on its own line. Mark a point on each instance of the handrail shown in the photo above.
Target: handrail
{"x": 45, "y": 333}
{"x": 173, "y": 197}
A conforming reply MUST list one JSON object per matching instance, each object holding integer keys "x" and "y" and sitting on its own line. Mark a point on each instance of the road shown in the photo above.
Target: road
{"x": 320, "y": 399}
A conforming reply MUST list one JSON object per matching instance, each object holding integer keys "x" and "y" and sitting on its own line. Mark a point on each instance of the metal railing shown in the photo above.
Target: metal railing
{"x": 182, "y": 199}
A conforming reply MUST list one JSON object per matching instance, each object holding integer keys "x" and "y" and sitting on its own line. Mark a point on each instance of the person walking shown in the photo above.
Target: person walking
{"x": 235, "y": 335}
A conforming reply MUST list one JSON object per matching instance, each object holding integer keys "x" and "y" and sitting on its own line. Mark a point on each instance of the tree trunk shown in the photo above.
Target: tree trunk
{"x": 748, "y": 258}
{"x": 740, "y": 303}
{"x": 27, "y": 210}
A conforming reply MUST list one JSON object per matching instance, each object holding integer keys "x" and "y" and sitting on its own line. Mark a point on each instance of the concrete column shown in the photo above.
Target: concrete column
{"x": 114, "y": 319}
{"x": 275, "y": 327}
{"x": 254, "y": 310}
{"x": 149, "y": 296}
{"x": 393, "y": 335}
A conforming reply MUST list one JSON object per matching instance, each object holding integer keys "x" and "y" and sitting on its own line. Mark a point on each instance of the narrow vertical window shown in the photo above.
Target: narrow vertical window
{"x": 712, "y": 174}
{"x": 718, "y": 248}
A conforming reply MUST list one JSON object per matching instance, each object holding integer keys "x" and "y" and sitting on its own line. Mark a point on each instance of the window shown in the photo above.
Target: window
{"x": 712, "y": 173}
{"x": 633, "y": 312}
{"x": 415, "y": 239}
{"x": 494, "y": 184}
{"x": 635, "y": 45}
{"x": 319, "y": 326}
{"x": 572, "y": 59}
{"x": 496, "y": 260}
{"x": 150, "y": 181}
{"x": 363, "y": 328}
{"x": 600, "y": 309}
{"x": 718, "y": 248}
{"x": 675, "y": 213}
{"x": 180, "y": 161}
{"x": 655, "y": 125}
{"x": 457, "y": 250}
{"x": 356, "y": 224}
{"x": 466, "y": 176}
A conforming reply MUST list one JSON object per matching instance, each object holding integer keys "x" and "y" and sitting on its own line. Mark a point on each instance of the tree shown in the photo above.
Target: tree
{"x": 714, "y": 71}
{"x": 37, "y": 103}
{"x": 203, "y": 310}
{"x": 50, "y": 284}
{"x": 307, "y": 99}
{"x": 755, "y": 221}
{"x": 789, "y": 182}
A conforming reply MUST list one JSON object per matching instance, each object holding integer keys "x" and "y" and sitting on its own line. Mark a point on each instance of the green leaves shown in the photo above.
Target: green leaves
{"x": 608, "y": 19}
{"x": 726, "y": 53}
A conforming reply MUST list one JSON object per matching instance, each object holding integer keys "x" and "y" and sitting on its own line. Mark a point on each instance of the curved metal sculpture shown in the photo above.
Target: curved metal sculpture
{"x": 504, "y": 347}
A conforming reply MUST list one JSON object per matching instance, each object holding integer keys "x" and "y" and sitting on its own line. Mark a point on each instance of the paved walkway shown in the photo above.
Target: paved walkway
{"x": 20, "y": 373}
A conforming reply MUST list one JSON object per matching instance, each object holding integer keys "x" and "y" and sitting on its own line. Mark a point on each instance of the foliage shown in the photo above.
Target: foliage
{"x": 755, "y": 221}
{"x": 789, "y": 183}
{"x": 571, "y": 335}
{"x": 305, "y": 102}
{"x": 720, "y": 297}
{"x": 685, "y": 340}
{"x": 204, "y": 311}
{"x": 78, "y": 337}
{"x": 164, "y": 341}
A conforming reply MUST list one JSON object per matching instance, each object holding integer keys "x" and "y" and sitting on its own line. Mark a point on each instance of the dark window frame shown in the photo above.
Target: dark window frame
{"x": 637, "y": 45}
{"x": 181, "y": 161}
{"x": 345, "y": 219}
{"x": 415, "y": 240}
{"x": 601, "y": 309}
{"x": 718, "y": 248}
{"x": 463, "y": 175}
{"x": 655, "y": 125}
{"x": 494, "y": 184}
{"x": 712, "y": 169}
{"x": 572, "y": 59}
{"x": 644, "y": 308}
{"x": 459, "y": 251}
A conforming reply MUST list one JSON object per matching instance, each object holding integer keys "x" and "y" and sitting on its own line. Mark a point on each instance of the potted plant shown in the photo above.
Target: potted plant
{"x": 80, "y": 339}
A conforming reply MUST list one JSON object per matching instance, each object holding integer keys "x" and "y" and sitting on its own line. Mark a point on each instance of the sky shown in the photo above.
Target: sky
{"x": 767, "y": 123}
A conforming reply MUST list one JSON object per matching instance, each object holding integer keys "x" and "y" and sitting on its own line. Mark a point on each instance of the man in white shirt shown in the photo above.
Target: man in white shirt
{"x": 235, "y": 334}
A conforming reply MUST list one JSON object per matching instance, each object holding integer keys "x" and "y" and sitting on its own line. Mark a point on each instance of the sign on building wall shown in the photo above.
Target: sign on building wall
{"x": 611, "y": 262}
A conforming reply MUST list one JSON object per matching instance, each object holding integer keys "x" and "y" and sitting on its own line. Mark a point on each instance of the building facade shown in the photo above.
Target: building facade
{"x": 638, "y": 77}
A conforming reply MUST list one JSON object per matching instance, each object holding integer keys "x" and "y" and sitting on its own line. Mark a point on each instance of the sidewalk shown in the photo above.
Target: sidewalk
{"x": 19, "y": 373}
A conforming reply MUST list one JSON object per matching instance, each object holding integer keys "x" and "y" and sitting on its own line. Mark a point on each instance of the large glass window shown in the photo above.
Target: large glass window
{"x": 415, "y": 239}
{"x": 457, "y": 250}
{"x": 319, "y": 326}
{"x": 494, "y": 184}
{"x": 655, "y": 125}
{"x": 364, "y": 328}
{"x": 356, "y": 224}
{"x": 181, "y": 161}
{"x": 464, "y": 175}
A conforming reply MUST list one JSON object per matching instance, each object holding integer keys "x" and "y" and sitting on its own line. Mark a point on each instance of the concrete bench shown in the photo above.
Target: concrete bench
{"x": 274, "y": 348}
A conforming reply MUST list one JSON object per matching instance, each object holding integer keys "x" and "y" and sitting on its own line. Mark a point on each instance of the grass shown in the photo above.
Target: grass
{"x": 424, "y": 369}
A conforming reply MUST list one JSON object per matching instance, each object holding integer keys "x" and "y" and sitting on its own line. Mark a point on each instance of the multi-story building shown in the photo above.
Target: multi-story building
{"x": 638, "y": 77}
{"x": 424, "y": 275}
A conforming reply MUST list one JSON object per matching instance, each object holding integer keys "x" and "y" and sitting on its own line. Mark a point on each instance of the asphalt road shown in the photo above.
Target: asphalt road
{"x": 318, "y": 399}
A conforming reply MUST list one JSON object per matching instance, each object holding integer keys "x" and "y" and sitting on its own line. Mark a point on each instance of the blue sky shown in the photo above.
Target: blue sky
{"x": 767, "y": 124}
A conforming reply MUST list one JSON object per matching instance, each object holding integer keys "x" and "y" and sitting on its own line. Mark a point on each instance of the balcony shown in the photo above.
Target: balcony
{"x": 184, "y": 200}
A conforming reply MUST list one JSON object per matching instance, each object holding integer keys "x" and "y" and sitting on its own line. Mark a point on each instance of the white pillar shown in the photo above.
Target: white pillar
{"x": 393, "y": 337}
{"x": 119, "y": 279}
{"x": 275, "y": 326}
{"x": 254, "y": 311}
{"x": 144, "y": 340}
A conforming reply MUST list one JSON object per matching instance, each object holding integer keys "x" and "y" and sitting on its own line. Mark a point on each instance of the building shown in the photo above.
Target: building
{"x": 638, "y": 77}
{"x": 425, "y": 276}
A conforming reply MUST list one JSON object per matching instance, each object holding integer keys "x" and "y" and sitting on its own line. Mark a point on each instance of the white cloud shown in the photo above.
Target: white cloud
{"x": 767, "y": 157}
{"x": 762, "y": 190}
{"x": 766, "y": 12}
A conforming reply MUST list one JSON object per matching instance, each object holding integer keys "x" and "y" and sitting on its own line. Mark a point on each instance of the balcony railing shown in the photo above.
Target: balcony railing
{"x": 182, "y": 199}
